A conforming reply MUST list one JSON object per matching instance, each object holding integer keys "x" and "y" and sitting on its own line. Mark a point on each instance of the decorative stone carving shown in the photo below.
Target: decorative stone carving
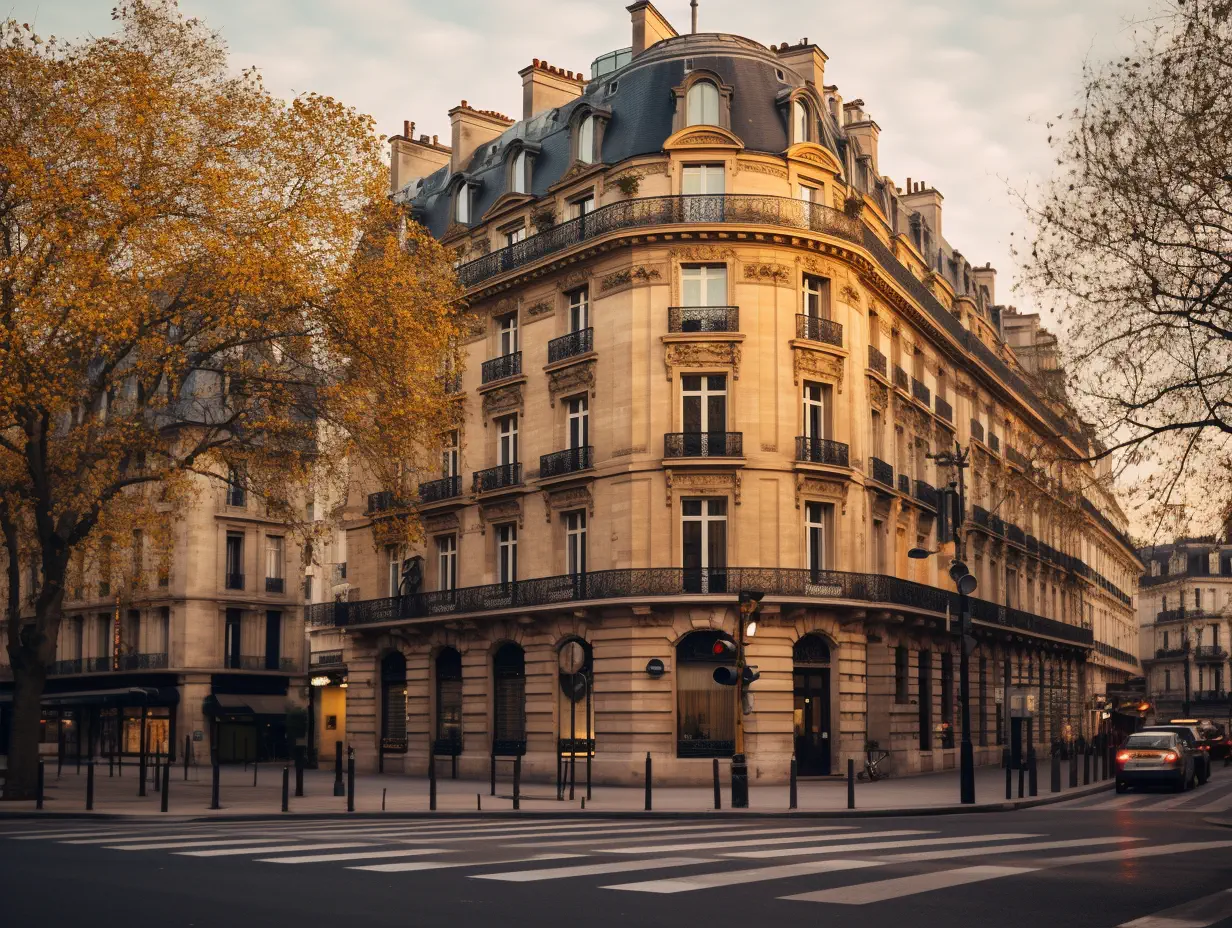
{"x": 703, "y": 354}
{"x": 481, "y": 245}
{"x": 506, "y": 510}
{"x": 769, "y": 446}
{"x": 704, "y": 138}
{"x": 563, "y": 500}
{"x": 628, "y": 276}
{"x": 851, "y": 294}
{"x": 878, "y": 395}
{"x": 625, "y": 452}
{"x": 502, "y": 400}
{"x": 761, "y": 167}
{"x": 572, "y": 280}
{"x": 571, "y": 379}
{"x": 446, "y": 522}
{"x": 832, "y": 491}
{"x": 540, "y": 308}
{"x": 703, "y": 253}
{"x": 818, "y": 364}
{"x": 772, "y": 273}
{"x": 702, "y": 484}
{"x": 642, "y": 170}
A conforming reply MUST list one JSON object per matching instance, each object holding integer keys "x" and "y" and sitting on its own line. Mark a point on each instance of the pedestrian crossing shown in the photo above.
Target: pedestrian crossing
{"x": 795, "y": 860}
{"x": 1210, "y": 799}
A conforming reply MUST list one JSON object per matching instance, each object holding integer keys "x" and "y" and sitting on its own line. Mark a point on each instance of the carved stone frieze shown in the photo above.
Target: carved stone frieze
{"x": 778, "y": 274}
{"x": 704, "y": 138}
{"x": 818, "y": 364}
{"x": 578, "y": 277}
{"x": 878, "y": 395}
{"x": 571, "y": 379}
{"x": 502, "y": 400}
{"x": 539, "y": 308}
{"x": 702, "y": 354}
{"x": 445, "y": 522}
{"x": 703, "y": 253}
{"x": 761, "y": 167}
{"x": 642, "y": 170}
{"x": 833, "y": 491}
{"x": 690, "y": 484}
{"x": 506, "y": 510}
{"x": 628, "y": 277}
{"x": 625, "y": 452}
{"x": 850, "y": 294}
{"x": 564, "y": 500}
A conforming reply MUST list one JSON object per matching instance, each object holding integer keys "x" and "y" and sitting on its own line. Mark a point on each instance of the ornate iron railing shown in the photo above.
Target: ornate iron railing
{"x": 883, "y": 472}
{"x": 816, "y": 329}
{"x": 703, "y": 319}
{"x": 329, "y": 658}
{"x": 979, "y": 515}
{"x": 994, "y": 442}
{"x": 1170, "y": 653}
{"x": 703, "y": 445}
{"x": 944, "y": 409}
{"x": 821, "y": 451}
{"x": 1183, "y": 615}
{"x": 244, "y": 661}
{"x": 904, "y": 484}
{"x": 275, "y": 585}
{"x": 499, "y": 477}
{"x": 921, "y": 392}
{"x": 977, "y": 429}
{"x": 876, "y": 361}
{"x": 571, "y": 345}
{"x": 901, "y": 380}
{"x": 1015, "y": 534}
{"x": 1032, "y": 544}
{"x": 436, "y": 490}
{"x": 654, "y": 211}
{"x": 1016, "y": 457}
{"x": 507, "y": 365}
{"x": 643, "y": 583}
{"x": 569, "y": 461}
{"x": 1116, "y": 653}
{"x": 926, "y": 493}
{"x": 1210, "y": 652}
{"x": 151, "y": 661}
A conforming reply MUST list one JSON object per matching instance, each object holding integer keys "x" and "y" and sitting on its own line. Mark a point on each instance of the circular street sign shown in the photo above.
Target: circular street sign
{"x": 654, "y": 667}
{"x": 572, "y": 657}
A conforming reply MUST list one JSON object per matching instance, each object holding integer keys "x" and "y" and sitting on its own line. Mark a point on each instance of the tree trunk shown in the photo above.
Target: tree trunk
{"x": 28, "y": 683}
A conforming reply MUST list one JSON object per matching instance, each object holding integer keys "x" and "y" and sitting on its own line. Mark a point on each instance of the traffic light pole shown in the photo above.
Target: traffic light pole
{"x": 740, "y": 769}
{"x": 966, "y": 773}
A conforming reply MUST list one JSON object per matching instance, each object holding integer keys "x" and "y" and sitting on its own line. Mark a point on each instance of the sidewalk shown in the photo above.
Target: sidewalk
{"x": 929, "y": 794}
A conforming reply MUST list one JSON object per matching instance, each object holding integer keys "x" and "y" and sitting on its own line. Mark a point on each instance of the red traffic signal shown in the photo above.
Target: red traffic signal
{"x": 723, "y": 647}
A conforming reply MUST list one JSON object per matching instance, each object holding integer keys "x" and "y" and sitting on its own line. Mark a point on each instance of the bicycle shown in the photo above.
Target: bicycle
{"x": 872, "y": 771}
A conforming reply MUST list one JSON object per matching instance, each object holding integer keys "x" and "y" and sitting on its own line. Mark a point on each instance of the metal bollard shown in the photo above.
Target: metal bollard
{"x": 1032, "y": 782}
{"x": 339, "y": 789}
{"x": 166, "y": 788}
{"x": 493, "y": 771}
{"x": 90, "y": 786}
{"x": 1073, "y": 770}
{"x": 350, "y": 779}
{"x": 1009, "y": 774}
{"x": 299, "y": 776}
{"x": 431, "y": 781}
{"x": 158, "y": 777}
{"x": 254, "y": 771}
{"x": 648, "y": 769}
{"x": 110, "y": 765}
{"x": 383, "y": 791}
{"x": 1086, "y": 766}
{"x": 286, "y": 788}
{"x": 589, "y": 757}
{"x": 141, "y": 773}
{"x": 791, "y": 792}
{"x": 38, "y": 794}
{"x": 517, "y": 781}
{"x": 214, "y": 775}
{"x": 79, "y": 757}
{"x": 1022, "y": 779}
{"x": 718, "y": 798}
{"x": 1056, "y": 773}
{"x": 187, "y": 755}
{"x": 851, "y": 783}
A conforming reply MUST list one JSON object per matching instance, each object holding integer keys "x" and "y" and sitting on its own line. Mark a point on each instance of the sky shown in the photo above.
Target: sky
{"x": 962, "y": 89}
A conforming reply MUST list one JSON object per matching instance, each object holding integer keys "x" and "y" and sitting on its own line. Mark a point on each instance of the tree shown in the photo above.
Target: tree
{"x": 1133, "y": 249}
{"x": 198, "y": 281}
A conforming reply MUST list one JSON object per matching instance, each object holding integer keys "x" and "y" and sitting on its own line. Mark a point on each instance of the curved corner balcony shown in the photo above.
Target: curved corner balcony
{"x": 703, "y": 445}
{"x": 641, "y": 585}
{"x": 644, "y": 212}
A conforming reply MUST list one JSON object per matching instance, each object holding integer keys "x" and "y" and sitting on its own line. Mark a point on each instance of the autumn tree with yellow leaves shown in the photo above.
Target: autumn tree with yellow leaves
{"x": 197, "y": 280}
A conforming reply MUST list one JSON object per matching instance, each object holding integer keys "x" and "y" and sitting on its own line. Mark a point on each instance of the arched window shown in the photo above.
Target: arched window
{"x": 702, "y": 105}
{"x": 448, "y": 702}
{"x": 462, "y": 204}
{"x": 811, "y": 711}
{"x": 393, "y": 703}
{"x": 518, "y": 182}
{"x": 800, "y": 121}
{"x": 586, "y": 140}
{"x": 509, "y": 700}
{"x": 705, "y": 710}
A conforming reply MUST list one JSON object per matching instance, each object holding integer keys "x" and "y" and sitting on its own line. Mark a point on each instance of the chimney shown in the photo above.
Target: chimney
{"x": 835, "y": 101}
{"x": 470, "y": 129}
{"x": 926, "y": 201}
{"x": 649, "y": 26}
{"x": 807, "y": 60}
{"x": 986, "y": 277}
{"x": 409, "y": 160}
{"x": 862, "y": 128}
{"x": 546, "y": 87}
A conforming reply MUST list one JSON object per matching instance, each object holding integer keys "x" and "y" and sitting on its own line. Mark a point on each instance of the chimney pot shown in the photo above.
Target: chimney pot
{"x": 464, "y": 103}
{"x": 408, "y": 128}
{"x": 434, "y": 138}
{"x": 534, "y": 62}
{"x": 424, "y": 138}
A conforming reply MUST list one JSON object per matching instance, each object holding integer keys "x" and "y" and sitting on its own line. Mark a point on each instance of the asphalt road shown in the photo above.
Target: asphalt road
{"x": 1141, "y": 864}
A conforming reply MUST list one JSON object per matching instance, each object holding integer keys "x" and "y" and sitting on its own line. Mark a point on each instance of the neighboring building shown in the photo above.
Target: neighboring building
{"x": 206, "y": 642}
{"x": 713, "y": 348}
{"x": 1185, "y": 620}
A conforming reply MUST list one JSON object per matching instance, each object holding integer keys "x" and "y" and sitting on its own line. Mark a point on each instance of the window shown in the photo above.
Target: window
{"x": 902, "y": 688}
{"x": 273, "y": 639}
{"x": 275, "y": 552}
{"x": 815, "y": 400}
{"x": 703, "y": 284}
{"x": 800, "y": 121}
{"x": 507, "y": 439}
{"x": 808, "y": 194}
{"x": 582, "y": 207}
{"x": 702, "y": 178}
{"x": 816, "y": 297}
{"x": 702, "y": 104}
{"x": 308, "y": 598}
{"x": 507, "y": 552}
{"x": 925, "y": 697}
{"x": 235, "y": 561}
{"x": 509, "y": 700}
{"x": 447, "y": 562}
{"x": 947, "y": 699}
{"x": 704, "y": 537}
{"x": 449, "y": 454}
{"x": 231, "y": 639}
{"x": 878, "y": 431}
{"x": 507, "y": 331}
{"x": 879, "y": 546}
{"x": 518, "y": 179}
{"x": 1167, "y": 681}
{"x": 703, "y": 399}
{"x": 575, "y": 542}
{"x": 462, "y": 205}
{"x": 579, "y": 309}
{"x": 236, "y": 495}
{"x": 816, "y": 518}
{"x": 515, "y": 235}
{"x": 395, "y": 556}
{"x": 705, "y": 710}
{"x": 393, "y": 703}
{"x": 586, "y": 141}
{"x": 448, "y": 702}
{"x": 578, "y": 410}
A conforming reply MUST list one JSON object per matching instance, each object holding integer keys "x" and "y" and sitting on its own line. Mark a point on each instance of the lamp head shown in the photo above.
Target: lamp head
{"x": 966, "y": 584}
{"x": 919, "y": 554}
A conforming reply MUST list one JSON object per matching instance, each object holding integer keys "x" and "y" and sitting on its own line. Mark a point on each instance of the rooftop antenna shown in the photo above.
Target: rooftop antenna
{"x": 693, "y": 5}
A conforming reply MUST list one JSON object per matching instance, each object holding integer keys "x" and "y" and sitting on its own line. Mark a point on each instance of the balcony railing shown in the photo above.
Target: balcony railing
{"x": 571, "y": 345}
{"x": 244, "y": 662}
{"x": 655, "y": 211}
{"x": 1032, "y": 544}
{"x": 977, "y": 429}
{"x": 81, "y": 665}
{"x": 452, "y": 382}
{"x": 703, "y": 445}
{"x": 507, "y": 365}
{"x": 904, "y": 484}
{"x": 821, "y": 451}
{"x": 569, "y": 461}
{"x": 383, "y": 501}
{"x": 500, "y": 477}
{"x": 883, "y": 472}
{"x": 235, "y": 581}
{"x": 944, "y": 409}
{"x": 901, "y": 380}
{"x": 921, "y": 392}
{"x": 1015, "y": 534}
{"x": 330, "y": 658}
{"x": 994, "y": 442}
{"x": 642, "y": 583}
{"x": 1016, "y": 457}
{"x": 1183, "y": 615}
{"x": 275, "y": 585}
{"x": 1210, "y": 652}
{"x": 1162, "y": 654}
{"x": 703, "y": 319}
{"x": 876, "y": 361}
{"x": 816, "y": 329}
{"x": 926, "y": 493}
{"x": 1116, "y": 653}
{"x": 436, "y": 490}
{"x": 153, "y": 661}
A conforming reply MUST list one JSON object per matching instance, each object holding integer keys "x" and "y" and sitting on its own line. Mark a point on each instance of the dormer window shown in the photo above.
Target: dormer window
{"x": 586, "y": 141}
{"x": 801, "y": 121}
{"x": 462, "y": 205}
{"x": 702, "y": 104}
{"x": 518, "y": 180}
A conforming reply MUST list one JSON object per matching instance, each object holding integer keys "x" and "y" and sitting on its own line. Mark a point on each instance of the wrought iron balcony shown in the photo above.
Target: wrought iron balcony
{"x": 1032, "y": 544}
{"x": 1016, "y": 457}
{"x": 383, "y": 501}
{"x": 883, "y": 472}
{"x": 235, "y": 581}
{"x": 153, "y": 661}
{"x": 996, "y": 524}
{"x": 1166, "y": 654}
{"x": 329, "y": 658}
{"x": 703, "y": 445}
{"x": 1015, "y": 534}
{"x": 452, "y": 382}
{"x": 816, "y": 329}
{"x": 571, "y": 345}
{"x": 1183, "y": 615}
{"x": 244, "y": 662}
{"x": 901, "y": 380}
{"x": 703, "y": 319}
{"x": 274, "y": 585}
{"x": 979, "y": 515}
{"x": 921, "y": 392}
{"x": 569, "y": 461}
{"x": 927, "y": 494}
{"x": 944, "y": 409}
{"x": 500, "y": 477}
{"x": 507, "y": 365}
{"x": 904, "y": 484}
{"x": 654, "y": 211}
{"x": 821, "y": 451}
{"x": 1210, "y": 652}
{"x": 1116, "y": 653}
{"x": 994, "y": 442}
{"x": 436, "y": 490}
{"x": 876, "y": 361}
{"x": 977, "y": 429}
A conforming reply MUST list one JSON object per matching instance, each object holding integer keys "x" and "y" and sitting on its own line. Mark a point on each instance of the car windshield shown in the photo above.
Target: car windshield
{"x": 1157, "y": 742}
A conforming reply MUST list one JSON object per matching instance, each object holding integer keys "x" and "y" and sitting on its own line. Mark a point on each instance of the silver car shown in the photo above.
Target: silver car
{"x": 1155, "y": 758}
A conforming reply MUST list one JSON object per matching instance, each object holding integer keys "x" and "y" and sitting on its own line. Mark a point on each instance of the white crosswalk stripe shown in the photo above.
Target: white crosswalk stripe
{"x": 168, "y": 845}
{"x": 708, "y": 831}
{"x": 713, "y": 845}
{"x": 880, "y": 845}
{"x": 739, "y": 877}
{"x": 611, "y": 866}
{"x": 881, "y": 890}
{"x": 280, "y": 849}
{"x": 440, "y": 865}
{"x": 1010, "y": 849}
{"x": 1197, "y": 913}
{"x": 353, "y": 855}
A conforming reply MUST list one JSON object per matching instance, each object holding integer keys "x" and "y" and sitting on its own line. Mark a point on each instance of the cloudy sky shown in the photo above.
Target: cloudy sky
{"x": 962, "y": 89}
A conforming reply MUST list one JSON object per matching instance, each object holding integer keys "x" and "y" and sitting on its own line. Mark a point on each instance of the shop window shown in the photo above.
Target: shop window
{"x": 393, "y": 703}
{"x": 448, "y": 701}
{"x": 509, "y": 700}
{"x": 705, "y": 710}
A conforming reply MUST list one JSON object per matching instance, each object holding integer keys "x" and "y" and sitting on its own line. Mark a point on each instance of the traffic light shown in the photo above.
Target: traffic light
{"x": 750, "y": 605}
{"x": 727, "y": 676}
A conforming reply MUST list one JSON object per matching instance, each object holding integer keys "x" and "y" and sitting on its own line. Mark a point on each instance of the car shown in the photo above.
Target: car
{"x": 1156, "y": 758}
{"x": 1188, "y": 730}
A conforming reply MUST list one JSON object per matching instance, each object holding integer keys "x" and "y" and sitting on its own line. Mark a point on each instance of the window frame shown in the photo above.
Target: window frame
{"x": 446, "y": 562}
{"x": 576, "y": 528}
{"x": 506, "y": 553}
